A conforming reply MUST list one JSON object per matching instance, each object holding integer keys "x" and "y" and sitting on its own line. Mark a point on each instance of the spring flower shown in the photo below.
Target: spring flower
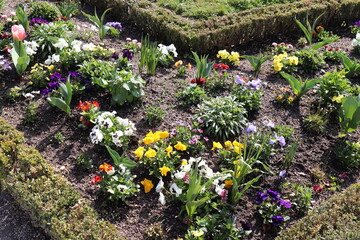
{"x": 178, "y": 63}
{"x": 148, "y": 140}
{"x": 286, "y": 204}
{"x": 61, "y": 43}
{"x": 277, "y": 220}
{"x": 318, "y": 188}
{"x": 162, "y": 198}
{"x": 290, "y": 99}
{"x": 150, "y": 153}
{"x": 184, "y": 162}
{"x": 181, "y": 147}
{"x": 139, "y": 152}
{"x": 174, "y": 189}
{"x": 168, "y": 150}
{"x": 96, "y": 179}
{"x": 282, "y": 174}
{"x": 159, "y": 186}
{"x": 293, "y": 60}
{"x": 165, "y": 50}
{"x": 251, "y": 128}
{"x": 164, "y": 170}
{"x": 106, "y": 167}
{"x": 115, "y": 25}
{"x": 223, "y": 54}
{"x": 188, "y": 66}
{"x": 272, "y": 194}
{"x": 18, "y": 32}
{"x": 234, "y": 57}
{"x": 278, "y": 66}
{"x": 228, "y": 145}
{"x": 261, "y": 197}
{"x": 148, "y": 185}
{"x": 269, "y": 124}
{"x": 217, "y": 145}
{"x": 337, "y": 98}
{"x": 228, "y": 183}
{"x": 164, "y": 134}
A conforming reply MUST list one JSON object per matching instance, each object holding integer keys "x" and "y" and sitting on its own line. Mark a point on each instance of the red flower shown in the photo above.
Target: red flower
{"x": 200, "y": 81}
{"x": 317, "y": 188}
{"x": 343, "y": 175}
{"x": 224, "y": 66}
{"x": 95, "y": 104}
{"x": 330, "y": 49}
{"x": 86, "y": 106}
{"x": 336, "y": 49}
{"x": 326, "y": 46}
{"x": 193, "y": 81}
{"x": 4, "y": 35}
{"x": 216, "y": 65}
{"x": 96, "y": 179}
{"x": 7, "y": 49}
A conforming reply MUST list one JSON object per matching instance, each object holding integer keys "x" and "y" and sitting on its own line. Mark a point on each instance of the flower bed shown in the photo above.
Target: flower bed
{"x": 166, "y": 147}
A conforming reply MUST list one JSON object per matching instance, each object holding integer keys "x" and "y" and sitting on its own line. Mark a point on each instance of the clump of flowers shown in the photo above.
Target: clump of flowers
{"x": 225, "y": 57}
{"x": 333, "y": 54}
{"x": 285, "y": 96}
{"x": 40, "y": 75}
{"x": 38, "y": 21}
{"x": 89, "y": 111}
{"x": 166, "y": 54}
{"x": 281, "y": 48}
{"x": 182, "y": 68}
{"x": 248, "y": 92}
{"x": 160, "y": 155}
{"x": 4, "y": 65}
{"x": 111, "y": 130}
{"x": 284, "y": 62}
{"x": 116, "y": 182}
{"x": 272, "y": 208}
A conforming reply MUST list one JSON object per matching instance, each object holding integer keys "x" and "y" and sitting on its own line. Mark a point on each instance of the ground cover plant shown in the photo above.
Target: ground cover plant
{"x": 239, "y": 144}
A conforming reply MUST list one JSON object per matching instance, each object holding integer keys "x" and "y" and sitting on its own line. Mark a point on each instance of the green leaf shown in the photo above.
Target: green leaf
{"x": 59, "y": 103}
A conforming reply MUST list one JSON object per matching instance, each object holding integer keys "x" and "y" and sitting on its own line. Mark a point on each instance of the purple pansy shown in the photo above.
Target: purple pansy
{"x": 115, "y": 25}
{"x": 250, "y": 128}
{"x": 277, "y": 220}
{"x": 260, "y": 197}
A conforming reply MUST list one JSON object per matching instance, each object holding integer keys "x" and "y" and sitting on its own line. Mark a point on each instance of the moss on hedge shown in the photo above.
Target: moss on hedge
{"x": 337, "y": 218}
{"x": 49, "y": 199}
{"x": 236, "y": 28}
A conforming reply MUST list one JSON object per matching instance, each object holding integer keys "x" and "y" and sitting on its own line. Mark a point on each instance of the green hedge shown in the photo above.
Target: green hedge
{"x": 225, "y": 31}
{"x": 49, "y": 199}
{"x": 337, "y": 218}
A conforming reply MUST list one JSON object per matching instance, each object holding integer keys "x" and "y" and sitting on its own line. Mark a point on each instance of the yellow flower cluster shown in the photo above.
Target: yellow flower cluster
{"x": 233, "y": 57}
{"x": 234, "y": 145}
{"x": 337, "y": 98}
{"x": 280, "y": 59}
{"x": 154, "y": 137}
{"x": 41, "y": 67}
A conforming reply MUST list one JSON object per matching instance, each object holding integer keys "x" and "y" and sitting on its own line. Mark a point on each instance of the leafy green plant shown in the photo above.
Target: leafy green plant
{"x": 99, "y": 23}
{"x": 30, "y": 115}
{"x": 290, "y": 154}
{"x": 248, "y": 95}
{"x": 347, "y": 153}
{"x": 223, "y": 117}
{"x": 67, "y": 9}
{"x": 349, "y": 114}
{"x": 83, "y": 161}
{"x": 332, "y": 85}
{"x": 63, "y": 103}
{"x": 191, "y": 95}
{"x": 316, "y": 122}
{"x": 300, "y": 87}
{"x": 310, "y": 60}
{"x": 307, "y": 28}
{"x": 203, "y": 66}
{"x": 301, "y": 197}
{"x": 352, "y": 67}
{"x": 45, "y": 10}
{"x": 194, "y": 191}
{"x": 153, "y": 115}
{"x": 22, "y": 17}
{"x": 59, "y": 137}
{"x": 155, "y": 232}
{"x": 149, "y": 56}
{"x": 256, "y": 62}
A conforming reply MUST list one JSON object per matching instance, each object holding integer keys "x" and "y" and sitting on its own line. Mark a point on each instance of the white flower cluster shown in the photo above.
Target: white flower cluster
{"x": 356, "y": 42}
{"x": 31, "y": 47}
{"x": 52, "y": 59}
{"x": 111, "y": 129}
{"x": 166, "y": 50}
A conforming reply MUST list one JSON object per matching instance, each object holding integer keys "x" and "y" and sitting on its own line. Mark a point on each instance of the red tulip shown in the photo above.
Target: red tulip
{"x": 18, "y": 32}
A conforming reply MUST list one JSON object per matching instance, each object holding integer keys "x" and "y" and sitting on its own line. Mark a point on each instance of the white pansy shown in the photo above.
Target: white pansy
{"x": 29, "y": 95}
{"x": 166, "y": 50}
{"x": 61, "y": 43}
{"x": 174, "y": 189}
{"x": 88, "y": 47}
{"x": 76, "y": 45}
{"x": 122, "y": 187}
{"x": 162, "y": 198}
{"x": 179, "y": 175}
{"x": 111, "y": 172}
{"x": 122, "y": 169}
{"x": 160, "y": 185}
{"x": 52, "y": 59}
{"x": 96, "y": 135}
{"x": 111, "y": 191}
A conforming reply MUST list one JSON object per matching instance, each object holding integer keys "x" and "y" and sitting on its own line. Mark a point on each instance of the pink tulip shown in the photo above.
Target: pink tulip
{"x": 18, "y": 32}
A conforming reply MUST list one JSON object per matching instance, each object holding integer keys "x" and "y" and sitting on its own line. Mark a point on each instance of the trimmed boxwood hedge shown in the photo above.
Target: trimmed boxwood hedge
{"x": 237, "y": 28}
{"x": 336, "y": 218}
{"x": 49, "y": 199}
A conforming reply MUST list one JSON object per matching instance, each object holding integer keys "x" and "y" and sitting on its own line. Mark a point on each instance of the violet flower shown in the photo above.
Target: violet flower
{"x": 260, "y": 197}
{"x": 115, "y": 25}
{"x": 272, "y": 194}
{"x": 277, "y": 220}
{"x": 38, "y": 21}
{"x": 127, "y": 54}
{"x": 251, "y": 128}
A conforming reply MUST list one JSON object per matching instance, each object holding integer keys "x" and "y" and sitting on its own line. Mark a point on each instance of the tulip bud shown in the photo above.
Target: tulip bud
{"x": 18, "y": 32}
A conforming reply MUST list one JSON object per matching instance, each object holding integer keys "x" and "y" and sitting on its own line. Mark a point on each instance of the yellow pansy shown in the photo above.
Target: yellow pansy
{"x": 139, "y": 152}
{"x": 234, "y": 57}
{"x": 293, "y": 60}
{"x": 290, "y": 99}
{"x": 228, "y": 145}
{"x": 237, "y": 150}
{"x": 148, "y": 185}
{"x": 164, "y": 134}
{"x": 51, "y": 67}
{"x": 184, "y": 162}
{"x": 164, "y": 170}
{"x": 198, "y": 233}
{"x": 278, "y": 67}
{"x": 181, "y": 147}
{"x": 223, "y": 54}
{"x": 169, "y": 149}
{"x": 148, "y": 140}
{"x": 216, "y": 145}
{"x": 237, "y": 144}
{"x": 228, "y": 183}
{"x": 150, "y": 153}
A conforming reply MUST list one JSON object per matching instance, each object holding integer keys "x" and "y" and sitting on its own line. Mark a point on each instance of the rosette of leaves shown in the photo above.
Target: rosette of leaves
{"x": 348, "y": 154}
{"x": 223, "y": 117}
{"x": 310, "y": 60}
{"x": 43, "y": 10}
